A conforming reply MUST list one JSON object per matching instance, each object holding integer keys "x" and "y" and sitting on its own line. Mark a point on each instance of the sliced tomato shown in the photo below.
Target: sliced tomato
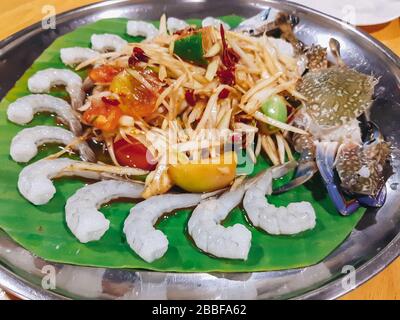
{"x": 134, "y": 154}
{"x": 103, "y": 116}
{"x": 104, "y": 73}
{"x": 137, "y": 99}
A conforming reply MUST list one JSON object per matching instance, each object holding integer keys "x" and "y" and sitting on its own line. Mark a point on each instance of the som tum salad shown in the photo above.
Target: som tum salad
{"x": 167, "y": 120}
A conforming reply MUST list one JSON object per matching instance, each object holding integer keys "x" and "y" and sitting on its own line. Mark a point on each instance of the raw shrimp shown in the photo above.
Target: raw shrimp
{"x": 295, "y": 218}
{"x": 151, "y": 244}
{"x": 22, "y": 110}
{"x": 213, "y": 22}
{"x": 142, "y": 29}
{"x": 210, "y": 236}
{"x": 35, "y": 183}
{"x": 44, "y": 80}
{"x": 76, "y": 55}
{"x": 24, "y": 145}
{"x": 108, "y": 42}
{"x": 81, "y": 210}
{"x": 174, "y": 25}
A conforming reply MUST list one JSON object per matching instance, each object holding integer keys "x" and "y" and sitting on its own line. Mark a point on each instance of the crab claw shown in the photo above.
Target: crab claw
{"x": 304, "y": 172}
{"x": 283, "y": 169}
{"x": 375, "y": 136}
{"x": 325, "y": 155}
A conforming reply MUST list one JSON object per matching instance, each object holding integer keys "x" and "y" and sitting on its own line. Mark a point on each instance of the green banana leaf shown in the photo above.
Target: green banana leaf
{"x": 43, "y": 231}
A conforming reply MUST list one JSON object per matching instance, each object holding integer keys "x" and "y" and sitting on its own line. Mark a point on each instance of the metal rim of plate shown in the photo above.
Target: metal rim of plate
{"x": 370, "y": 248}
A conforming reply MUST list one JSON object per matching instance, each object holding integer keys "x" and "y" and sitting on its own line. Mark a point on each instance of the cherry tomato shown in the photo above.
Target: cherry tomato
{"x": 137, "y": 99}
{"x": 134, "y": 154}
{"x": 104, "y": 73}
{"x": 103, "y": 116}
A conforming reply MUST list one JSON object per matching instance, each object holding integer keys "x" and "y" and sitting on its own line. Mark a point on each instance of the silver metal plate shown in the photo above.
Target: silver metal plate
{"x": 373, "y": 244}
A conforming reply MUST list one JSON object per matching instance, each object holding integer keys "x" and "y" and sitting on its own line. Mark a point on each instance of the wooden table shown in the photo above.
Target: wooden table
{"x": 18, "y": 14}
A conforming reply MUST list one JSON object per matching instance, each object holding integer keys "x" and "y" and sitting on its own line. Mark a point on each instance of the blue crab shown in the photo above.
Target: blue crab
{"x": 275, "y": 23}
{"x": 349, "y": 161}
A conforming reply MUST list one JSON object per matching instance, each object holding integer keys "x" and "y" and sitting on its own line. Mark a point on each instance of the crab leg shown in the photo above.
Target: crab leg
{"x": 325, "y": 155}
{"x": 304, "y": 144}
{"x": 375, "y": 202}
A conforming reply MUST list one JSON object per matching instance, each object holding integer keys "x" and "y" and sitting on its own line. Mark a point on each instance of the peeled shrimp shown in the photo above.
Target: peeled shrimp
{"x": 295, "y": 218}
{"x": 44, "y": 80}
{"x": 151, "y": 244}
{"x": 81, "y": 210}
{"x": 213, "y": 22}
{"x": 22, "y": 110}
{"x": 142, "y": 29}
{"x": 174, "y": 25}
{"x": 35, "y": 183}
{"x": 25, "y": 144}
{"x": 77, "y": 55}
{"x": 108, "y": 42}
{"x": 210, "y": 236}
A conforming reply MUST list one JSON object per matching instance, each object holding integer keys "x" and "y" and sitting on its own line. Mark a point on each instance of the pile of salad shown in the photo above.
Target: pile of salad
{"x": 179, "y": 102}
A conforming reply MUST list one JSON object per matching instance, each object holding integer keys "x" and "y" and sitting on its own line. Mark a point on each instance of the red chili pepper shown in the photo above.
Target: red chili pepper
{"x": 132, "y": 61}
{"x": 224, "y": 94}
{"x": 139, "y": 53}
{"x": 227, "y": 76}
{"x": 137, "y": 56}
{"x": 191, "y": 98}
{"x": 229, "y": 57}
{"x": 110, "y": 101}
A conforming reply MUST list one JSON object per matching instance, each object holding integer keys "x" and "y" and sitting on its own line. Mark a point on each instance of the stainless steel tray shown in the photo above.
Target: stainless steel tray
{"x": 371, "y": 246}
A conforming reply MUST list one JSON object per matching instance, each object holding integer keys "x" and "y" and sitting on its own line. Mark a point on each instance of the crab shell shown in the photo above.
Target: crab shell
{"x": 317, "y": 57}
{"x": 360, "y": 169}
{"x": 336, "y": 95}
